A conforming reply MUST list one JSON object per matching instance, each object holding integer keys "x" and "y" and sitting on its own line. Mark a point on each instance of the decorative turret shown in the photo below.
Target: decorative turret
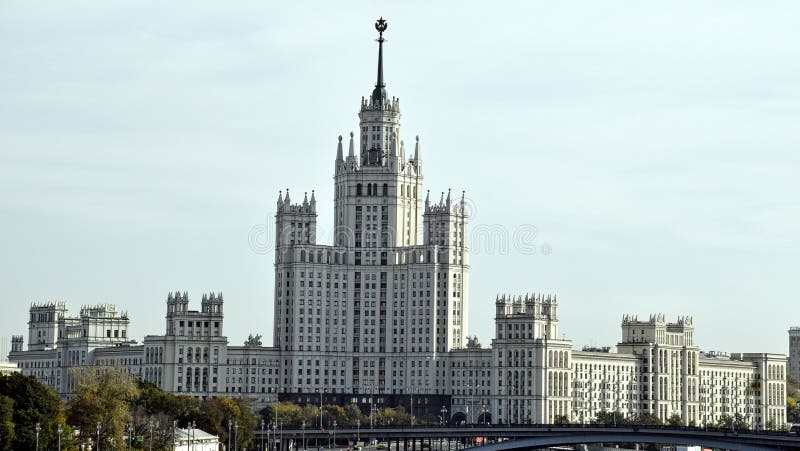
{"x": 177, "y": 302}
{"x": 17, "y": 343}
{"x": 296, "y": 223}
{"x": 212, "y": 304}
{"x": 537, "y": 308}
{"x": 286, "y": 206}
{"x": 446, "y": 204}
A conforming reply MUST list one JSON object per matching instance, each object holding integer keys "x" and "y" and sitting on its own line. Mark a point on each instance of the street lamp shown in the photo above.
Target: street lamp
{"x": 358, "y": 429}
{"x": 262, "y": 434}
{"x": 236, "y": 435}
{"x": 190, "y": 434}
{"x": 411, "y": 392}
{"x": 98, "y": 435}
{"x": 303, "y": 428}
{"x": 320, "y": 391}
{"x": 280, "y": 442}
{"x": 37, "y": 428}
{"x": 334, "y": 433}
{"x": 230, "y": 423}
{"x": 150, "y": 429}
{"x": 58, "y": 431}
{"x": 130, "y": 431}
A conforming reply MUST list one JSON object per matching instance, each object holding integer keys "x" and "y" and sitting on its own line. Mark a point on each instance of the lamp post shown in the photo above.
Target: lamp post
{"x": 320, "y": 391}
{"x": 334, "y": 433}
{"x": 98, "y": 436}
{"x": 280, "y": 442}
{"x": 443, "y": 411}
{"x": 411, "y": 393}
{"x": 190, "y": 434}
{"x": 230, "y": 424}
{"x": 303, "y": 429}
{"x": 174, "y": 428}
{"x": 58, "y": 431}
{"x": 236, "y": 435}
{"x": 262, "y": 434}
{"x": 358, "y": 430}
{"x": 130, "y": 431}
{"x": 150, "y": 429}
{"x": 37, "y": 428}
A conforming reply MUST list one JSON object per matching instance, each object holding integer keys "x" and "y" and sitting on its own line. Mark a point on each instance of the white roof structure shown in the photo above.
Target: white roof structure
{"x": 195, "y": 440}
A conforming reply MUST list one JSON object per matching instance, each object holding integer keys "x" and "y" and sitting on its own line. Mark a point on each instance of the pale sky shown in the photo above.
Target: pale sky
{"x": 653, "y": 147}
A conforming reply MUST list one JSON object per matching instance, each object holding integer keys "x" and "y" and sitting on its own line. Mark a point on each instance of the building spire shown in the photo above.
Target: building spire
{"x": 351, "y": 152}
{"x": 379, "y": 93}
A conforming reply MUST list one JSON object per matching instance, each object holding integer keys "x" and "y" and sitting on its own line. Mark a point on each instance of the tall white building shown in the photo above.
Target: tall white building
{"x": 379, "y": 317}
{"x": 381, "y": 307}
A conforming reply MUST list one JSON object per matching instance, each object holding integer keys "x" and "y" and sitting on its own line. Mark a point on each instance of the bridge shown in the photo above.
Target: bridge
{"x": 526, "y": 437}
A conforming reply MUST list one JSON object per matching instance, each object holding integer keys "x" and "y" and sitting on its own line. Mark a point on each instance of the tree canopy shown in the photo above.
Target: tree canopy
{"x": 25, "y": 402}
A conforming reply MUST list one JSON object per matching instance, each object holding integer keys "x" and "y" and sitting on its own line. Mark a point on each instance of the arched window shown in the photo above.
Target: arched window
{"x": 358, "y": 190}
{"x": 402, "y": 190}
{"x": 385, "y": 189}
{"x": 369, "y": 189}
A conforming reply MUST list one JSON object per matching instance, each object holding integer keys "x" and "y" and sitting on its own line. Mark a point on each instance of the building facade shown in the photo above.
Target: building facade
{"x": 794, "y": 352}
{"x": 380, "y": 317}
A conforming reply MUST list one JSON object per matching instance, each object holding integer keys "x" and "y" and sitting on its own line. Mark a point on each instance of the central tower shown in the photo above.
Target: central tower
{"x": 378, "y": 182}
{"x": 380, "y": 309}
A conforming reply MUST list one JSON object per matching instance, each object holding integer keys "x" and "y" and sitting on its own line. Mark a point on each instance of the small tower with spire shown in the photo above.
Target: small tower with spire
{"x": 295, "y": 224}
{"x": 379, "y": 115}
{"x": 377, "y": 179}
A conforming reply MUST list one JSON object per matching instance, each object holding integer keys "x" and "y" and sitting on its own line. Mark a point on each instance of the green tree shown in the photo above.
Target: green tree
{"x": 740, "y": 422}
{"x": 288, "y": 413}
{"x": 771, "y": 424}
{"x": 675, "y": 419}
{"x": 725, "y": 421}
{"x": 392, "y": 416}
{"x": 311, "y": 416}
{"x": 334, "y": 413}
{"x": 103, "y": 396}
{"x": 6, "y": 423}
{"x": 647, "y": 419}
{"x": 353, "y": 414}
{"x": 561, "y": 419}
{"x": 216, "y": 412}
{"x": 610, "y": 418}
{"x": 792, "y": 399}
{"x": 32, "y": 402}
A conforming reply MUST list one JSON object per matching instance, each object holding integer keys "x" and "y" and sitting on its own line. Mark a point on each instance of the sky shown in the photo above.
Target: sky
{"x": 637, "y": 157}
